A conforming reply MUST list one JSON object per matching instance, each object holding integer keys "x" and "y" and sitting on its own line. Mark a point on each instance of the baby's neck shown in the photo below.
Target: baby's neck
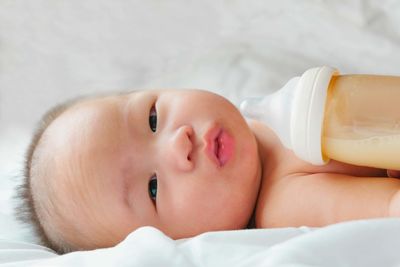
{"x": 271, "y": 151}
{"x": 274, "y": 159}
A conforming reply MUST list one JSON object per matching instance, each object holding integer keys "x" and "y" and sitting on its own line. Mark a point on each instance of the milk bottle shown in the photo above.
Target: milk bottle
{"x": 323, "y": 115}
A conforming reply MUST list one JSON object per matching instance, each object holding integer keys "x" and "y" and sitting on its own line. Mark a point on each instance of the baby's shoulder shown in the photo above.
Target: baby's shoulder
{"x": 298, "y": 194}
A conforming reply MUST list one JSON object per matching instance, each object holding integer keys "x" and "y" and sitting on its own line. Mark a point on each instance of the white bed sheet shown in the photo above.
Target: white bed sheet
{"x": 360, "y": 243}
{"x": 236, "y": 48}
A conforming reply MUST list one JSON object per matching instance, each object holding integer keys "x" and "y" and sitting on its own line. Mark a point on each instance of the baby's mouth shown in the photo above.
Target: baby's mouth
{"x": 225, "y": 146}
{"x": 217, "y": 144}
{"x": 220, "y": 145}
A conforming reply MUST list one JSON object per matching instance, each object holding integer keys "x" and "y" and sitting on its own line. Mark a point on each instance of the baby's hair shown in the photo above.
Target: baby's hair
{"x": 26, "y": 211}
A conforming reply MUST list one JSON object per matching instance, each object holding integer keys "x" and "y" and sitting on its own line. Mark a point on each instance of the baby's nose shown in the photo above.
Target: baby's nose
{"x": 180, "y": 148}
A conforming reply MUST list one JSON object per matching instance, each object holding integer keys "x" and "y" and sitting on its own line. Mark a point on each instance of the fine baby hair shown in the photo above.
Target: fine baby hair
{"x": 26, "y": 211}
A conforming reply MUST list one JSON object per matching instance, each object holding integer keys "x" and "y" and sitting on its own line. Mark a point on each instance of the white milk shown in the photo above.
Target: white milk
{"x": 362, "y": 121}
{"x": 380, "y": 152}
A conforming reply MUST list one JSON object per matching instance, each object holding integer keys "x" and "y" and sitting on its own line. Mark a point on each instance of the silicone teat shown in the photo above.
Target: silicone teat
{"x": 274, "y": 110}
{"x": 295, "y": 112}
{"x": 252, "y": 108}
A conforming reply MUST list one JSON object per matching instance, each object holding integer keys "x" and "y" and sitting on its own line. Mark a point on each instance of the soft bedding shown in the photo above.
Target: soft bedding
{"x": 359, "y": 243}
{"x": 53, "y": 50}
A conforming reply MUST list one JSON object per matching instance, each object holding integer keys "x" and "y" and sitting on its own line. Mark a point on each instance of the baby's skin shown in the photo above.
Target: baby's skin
{"x": 295, "y": 193}
{"x": 186, "y": 162}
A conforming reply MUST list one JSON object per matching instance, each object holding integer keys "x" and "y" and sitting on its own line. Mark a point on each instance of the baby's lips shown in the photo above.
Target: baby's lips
{"x": 393, "y": 173}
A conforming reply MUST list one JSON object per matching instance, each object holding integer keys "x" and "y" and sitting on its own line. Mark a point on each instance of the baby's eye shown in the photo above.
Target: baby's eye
{"x": 153, "y": 119}
{"x": 153, "y": 187}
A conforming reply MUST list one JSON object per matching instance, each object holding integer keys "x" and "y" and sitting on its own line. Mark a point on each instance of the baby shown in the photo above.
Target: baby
{"x": 186, "y": 162}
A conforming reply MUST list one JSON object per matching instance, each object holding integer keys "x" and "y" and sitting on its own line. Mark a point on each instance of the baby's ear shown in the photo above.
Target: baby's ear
{"x": 393, "y": 173}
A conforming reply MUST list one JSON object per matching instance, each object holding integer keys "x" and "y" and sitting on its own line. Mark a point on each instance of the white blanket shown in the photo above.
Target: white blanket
{"x": 359, "y": 243}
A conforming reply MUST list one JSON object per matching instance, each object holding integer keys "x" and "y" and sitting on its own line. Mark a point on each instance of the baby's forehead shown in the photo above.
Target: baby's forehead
{"x": 85, "y": 110}
{"x": 72, "y": 141}
{"x": 66, "y": 134}
{"x": 66, "y": 118}
{"x": 81, "y": 102}
{"x": 55, "y": 155}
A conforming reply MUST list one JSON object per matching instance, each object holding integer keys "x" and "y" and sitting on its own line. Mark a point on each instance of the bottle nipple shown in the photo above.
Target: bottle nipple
{"x": 252, "y": 108}
{"x": 274, "y": 110}
{"x": 295, "y": 112}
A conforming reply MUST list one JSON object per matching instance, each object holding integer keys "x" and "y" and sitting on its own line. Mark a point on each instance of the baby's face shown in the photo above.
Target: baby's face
{"x": 184, "y": 161}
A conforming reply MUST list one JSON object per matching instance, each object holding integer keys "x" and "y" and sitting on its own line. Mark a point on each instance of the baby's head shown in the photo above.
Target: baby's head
{"x": 183, "y": 161}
